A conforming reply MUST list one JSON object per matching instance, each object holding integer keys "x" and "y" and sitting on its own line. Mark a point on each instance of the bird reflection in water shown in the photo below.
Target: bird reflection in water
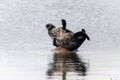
{"x": 65, "y": 61}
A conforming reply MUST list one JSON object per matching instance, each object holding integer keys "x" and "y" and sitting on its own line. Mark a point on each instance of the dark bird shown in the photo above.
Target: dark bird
{"x": 65, "y": 38}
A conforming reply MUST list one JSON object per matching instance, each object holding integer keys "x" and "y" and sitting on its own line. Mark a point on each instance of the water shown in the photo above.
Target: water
{"x": 17, "y": 65}
{"x": 25, "y": 47}
{"x": 63, "y": 63}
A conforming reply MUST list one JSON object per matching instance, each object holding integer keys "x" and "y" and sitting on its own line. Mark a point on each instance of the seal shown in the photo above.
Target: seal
{"x": 58, "y": 33}
{"x": 65, "y": 38}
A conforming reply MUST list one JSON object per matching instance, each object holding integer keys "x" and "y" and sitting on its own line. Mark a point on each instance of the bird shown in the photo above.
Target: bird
{"x": 63, "y": 37}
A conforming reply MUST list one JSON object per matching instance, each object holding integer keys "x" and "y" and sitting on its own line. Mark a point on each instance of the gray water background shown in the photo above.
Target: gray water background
{"x": 25, "y": 47}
